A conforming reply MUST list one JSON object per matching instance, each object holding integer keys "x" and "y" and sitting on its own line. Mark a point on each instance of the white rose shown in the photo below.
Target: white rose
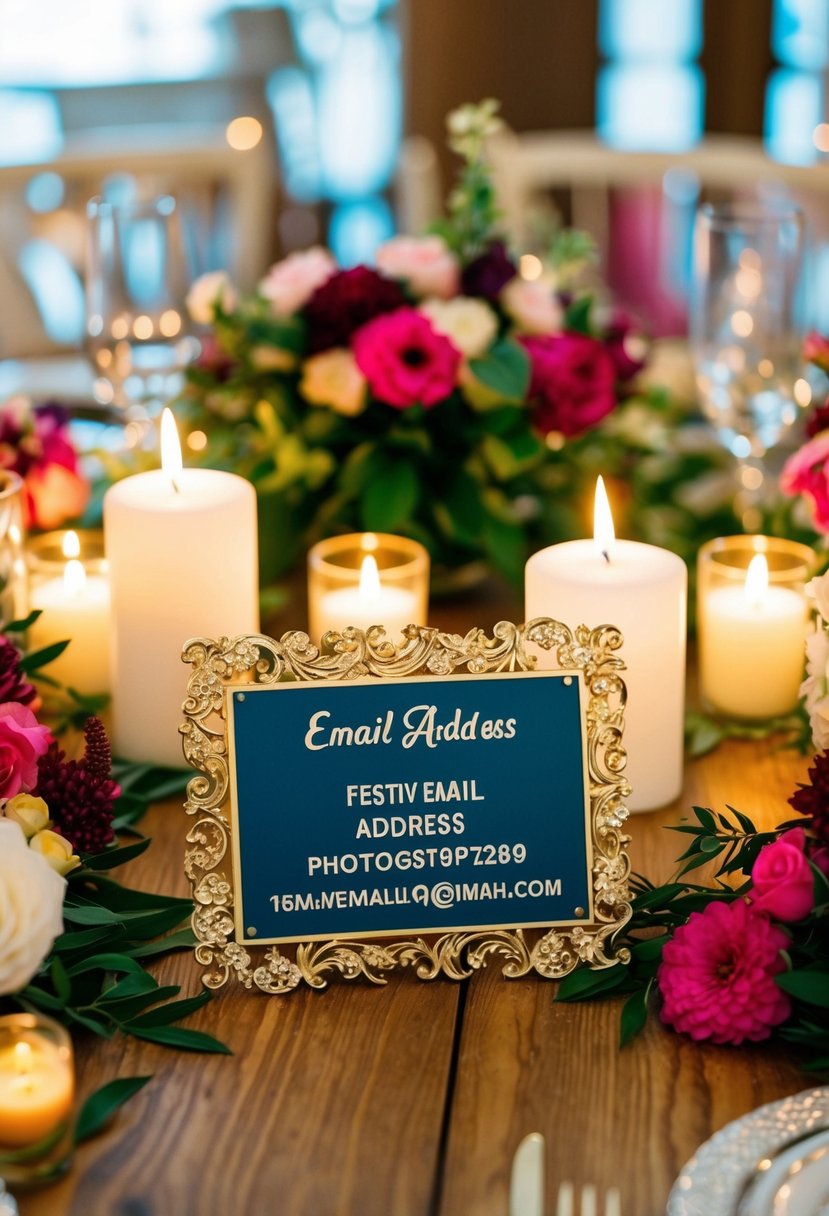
{"x": 31, "y": 908}
{"x": 469, "y": 324}
{"x": 818, "y": 590}
{"x": 208, "y": 291}
{"x": 815, "y": 688}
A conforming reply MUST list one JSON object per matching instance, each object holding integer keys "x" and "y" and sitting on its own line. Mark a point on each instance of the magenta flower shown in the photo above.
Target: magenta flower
{"x": 405, "y": 361}
{"x": 717, "y": 975}
{"x": 781, "y": 878}
{"x": 22, "y": 742}
{"x": 816, "y": 350}
{"x": 806, "y": 473}
{"x": 573, "y": 381}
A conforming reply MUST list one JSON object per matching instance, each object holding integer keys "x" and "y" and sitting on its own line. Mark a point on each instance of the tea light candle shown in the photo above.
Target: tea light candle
{"x": 182, "y": 551}
{"x": 36, "y": 1080}
{"x": 751, "y": 630}
{"x": 642, "y": 590}
{"x": 74, "y": 606}
{"x": 347, "y": 585}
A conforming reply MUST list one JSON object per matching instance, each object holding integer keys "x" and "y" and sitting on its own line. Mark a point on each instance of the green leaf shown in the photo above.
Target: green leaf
{"x": 173, "y": 1011}
{"x": 634, "y": 1015}
{"x": 60, "y": 979}
{"x": 89, "y": 914}
{"x": 186, "y": 1040}
{"x": 184, "y": 939}
{"x": 505, "y": 369}
{"x": 22, "y": 625}
{"x": 67, "y": 942}
{"x": 809, "y": 986}
{"x": 389, "y": 499}
{"x": 577, "y": 316}
{"x": 39, "y": 658}
{"x": 137, "y": 983}
{"x": 116, "y": 857}
{"x": 584, "y": 983}
{"x": 106, "y": 962}
{"x": 505, "y": 544}
{"x": 100, "y": 1106}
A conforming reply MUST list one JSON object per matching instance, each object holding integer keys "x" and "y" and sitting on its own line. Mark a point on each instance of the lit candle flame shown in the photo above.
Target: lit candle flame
{"x": 74, "y": 577}
{"x": 23, "y": 1057}
{"x": 757, "y": 581}
{"x": 71, "y": 545}
{"x": 170, "y": 449}
{"x": 603, "y": 533}
{"x": 369, "y": 578}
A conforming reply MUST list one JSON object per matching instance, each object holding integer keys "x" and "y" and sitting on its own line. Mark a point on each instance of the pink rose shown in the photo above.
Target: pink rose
{"x": 425, "y": 263}
{"x": 532, "y": 306}
{"x": 404, "y": 360}
{"x": 54, "y": 494}
{"x": 816, "y": 350}
{"x": 290, "y": 284}
{"x": 806, "y": 473}
{"x": 717, "y": 975}
{"x": 22, "y": 742}
{"x": 782, "y": 881}
{"x": 573, "y": 381}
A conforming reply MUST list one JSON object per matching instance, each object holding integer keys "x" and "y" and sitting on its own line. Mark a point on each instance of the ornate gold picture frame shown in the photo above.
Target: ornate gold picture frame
{"x": 351, "y": 655}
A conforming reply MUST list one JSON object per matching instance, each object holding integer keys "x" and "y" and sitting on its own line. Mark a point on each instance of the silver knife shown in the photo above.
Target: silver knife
{"x": 526, "y": 1188}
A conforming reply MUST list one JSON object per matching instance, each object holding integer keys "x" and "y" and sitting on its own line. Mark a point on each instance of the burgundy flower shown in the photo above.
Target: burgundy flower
{"x": 812, "y": 799}
{"x": 405, "y": 360}
{"x": 80, "y": 794}
{"x": 625, "y": 346}
{"x": 13, "y": 684}
{"x": 573, "y": 380}
{"x": 818, "y": 420}
{"x": 489, "y": 273}
{"x": 717, "y": 975}
{"x": 347, "y": 300}
{"x": 213, "y": 358}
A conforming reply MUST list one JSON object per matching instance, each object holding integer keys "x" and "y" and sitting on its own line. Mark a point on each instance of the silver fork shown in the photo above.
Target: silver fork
{"x": 589, "y": 1205}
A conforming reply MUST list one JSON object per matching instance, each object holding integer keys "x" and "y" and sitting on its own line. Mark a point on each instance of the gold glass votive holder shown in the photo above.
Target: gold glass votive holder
{"x": 37, "y": 1098}
{"x": 69, "y": 586}
{"x": 364, "y": 579}
{"x": 13, "y": 589}
{"x": 752, "y": 616}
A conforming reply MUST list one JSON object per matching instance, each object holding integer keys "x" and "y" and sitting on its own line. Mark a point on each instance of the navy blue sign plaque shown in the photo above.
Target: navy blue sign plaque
{"x": 390, "y": 807}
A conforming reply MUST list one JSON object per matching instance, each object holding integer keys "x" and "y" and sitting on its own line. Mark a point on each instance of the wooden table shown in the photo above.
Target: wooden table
{"x": 411, "y": 1099}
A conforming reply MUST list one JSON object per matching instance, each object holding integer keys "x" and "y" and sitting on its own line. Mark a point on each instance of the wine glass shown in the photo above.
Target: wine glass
{"x": 745, "y": 333}
{"x": 137, "y": 332}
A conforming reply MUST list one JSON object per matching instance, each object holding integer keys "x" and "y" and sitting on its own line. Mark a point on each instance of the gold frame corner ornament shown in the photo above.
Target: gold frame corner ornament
{"x": 422, "y": 651}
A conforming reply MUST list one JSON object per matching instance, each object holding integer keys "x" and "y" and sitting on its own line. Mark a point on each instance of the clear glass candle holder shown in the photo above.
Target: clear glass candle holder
{"x": 752, "y": 617}
{"x": 37, "y": 1098}
{"x": 69, "y": 586}
{"x": 13, "y": 593}
{"x": 365, "y": 579}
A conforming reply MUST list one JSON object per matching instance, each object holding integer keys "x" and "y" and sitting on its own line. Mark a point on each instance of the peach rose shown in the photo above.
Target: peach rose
{"x": 425, "y": 263}
{"x": 208, "y": 291}
{"x": 289, "y": 284}
{"x": 334, "y": 379}
{"x": 532, "y": 306}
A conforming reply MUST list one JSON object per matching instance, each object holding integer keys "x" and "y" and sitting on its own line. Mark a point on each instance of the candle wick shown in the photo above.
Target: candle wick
{"x": 175, "y": 485}
{"x": 606, "y": 556}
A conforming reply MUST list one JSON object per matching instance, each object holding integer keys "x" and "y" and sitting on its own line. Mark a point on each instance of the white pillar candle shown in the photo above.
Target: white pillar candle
{"x": 74, "y": 606}
{"x": 182, "y": 552}
{"x": 642, "y": 590}
{"x": 752, "y": 640}
{"x": 368, "y": 602}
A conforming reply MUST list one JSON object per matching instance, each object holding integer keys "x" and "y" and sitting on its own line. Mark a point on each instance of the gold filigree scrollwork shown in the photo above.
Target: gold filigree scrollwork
{"x": 352, "y": 655}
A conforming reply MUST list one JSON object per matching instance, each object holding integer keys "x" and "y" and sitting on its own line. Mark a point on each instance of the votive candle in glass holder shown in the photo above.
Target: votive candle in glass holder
{"x": 37, "y": 1095}
{"x": 69, "y": 585}
{"x": 365, "y": 579}
{"x": 751, "y": 622}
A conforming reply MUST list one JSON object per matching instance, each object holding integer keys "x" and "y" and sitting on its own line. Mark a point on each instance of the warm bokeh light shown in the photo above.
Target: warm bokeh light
{"x": 820, "y": 137}
{"x": 530, "y": 266}
{"x": 742, "y": 323}
{"x": 244, "y": 133}
{"x": 802, "y": 392}
{"x": 142, "y": 327}
{"x": 197, "y": 441}
{"x": 170, "y": 322}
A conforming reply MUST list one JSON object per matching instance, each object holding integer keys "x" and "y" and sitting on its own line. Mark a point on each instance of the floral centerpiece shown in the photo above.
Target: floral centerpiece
{"x": 35, "y": 443}
{"x": 427, "y": 395}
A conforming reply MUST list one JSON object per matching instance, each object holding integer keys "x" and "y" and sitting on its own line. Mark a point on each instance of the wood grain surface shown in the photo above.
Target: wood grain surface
{"x": 410, "y": 1100}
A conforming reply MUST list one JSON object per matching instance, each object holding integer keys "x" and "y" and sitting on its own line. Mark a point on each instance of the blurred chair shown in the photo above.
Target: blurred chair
{"x": 226, "y": 196}
{"x": 638, "y": 206}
